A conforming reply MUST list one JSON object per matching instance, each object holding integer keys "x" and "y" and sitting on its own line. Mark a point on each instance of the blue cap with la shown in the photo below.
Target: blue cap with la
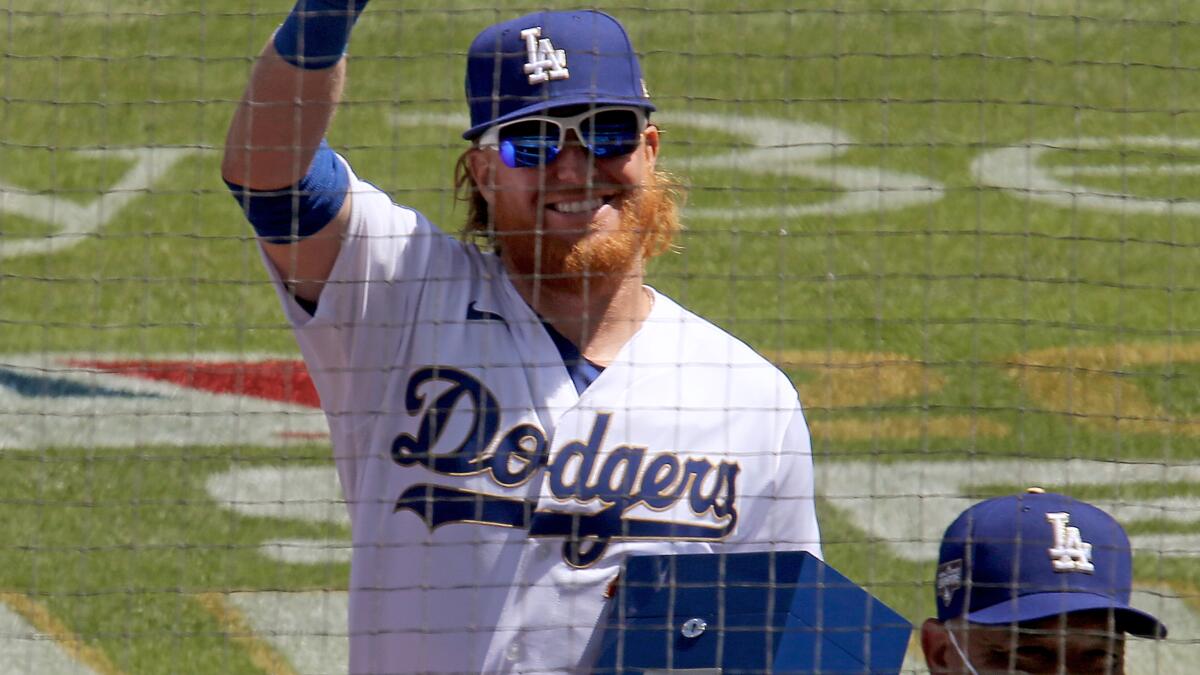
{"x": 550, "y": 60}
{"x": 1034, "y": 555}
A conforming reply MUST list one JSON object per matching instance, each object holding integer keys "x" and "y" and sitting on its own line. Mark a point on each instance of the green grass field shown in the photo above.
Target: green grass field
{"x": 967, "y": 228}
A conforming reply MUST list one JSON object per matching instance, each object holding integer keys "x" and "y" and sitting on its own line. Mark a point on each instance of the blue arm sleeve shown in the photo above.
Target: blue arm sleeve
{"x": 316, "y": 33}
{"x": 289, "y": 214}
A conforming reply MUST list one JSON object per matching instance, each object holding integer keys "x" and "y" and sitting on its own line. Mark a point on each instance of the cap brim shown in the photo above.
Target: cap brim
{"x": 559, "y": 102}
{"x": 1041, "y": 605}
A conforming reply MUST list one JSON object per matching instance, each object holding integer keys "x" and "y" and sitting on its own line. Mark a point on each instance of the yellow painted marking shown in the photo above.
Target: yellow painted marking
{"x": 914, "y": 656}
{"x": 235, "y": 626}
{"x": 1092, "y": 384}
{"x": 847, "y": 380}
{"x": 906, "y": 428}
{"x": 44, "y": 622}
{"x": 854, "y": 379}
{"x": 1188, "y": 593}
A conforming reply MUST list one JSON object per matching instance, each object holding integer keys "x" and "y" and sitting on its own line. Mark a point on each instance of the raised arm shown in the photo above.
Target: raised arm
{"x": 292, "y": 187}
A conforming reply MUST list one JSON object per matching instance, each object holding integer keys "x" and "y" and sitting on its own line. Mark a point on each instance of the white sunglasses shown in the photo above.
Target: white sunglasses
{"x": 606, "y": 132}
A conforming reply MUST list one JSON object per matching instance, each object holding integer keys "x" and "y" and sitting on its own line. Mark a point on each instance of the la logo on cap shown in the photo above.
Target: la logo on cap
{"x": 1070, "y": 552}
{"x": 543, "y": 56}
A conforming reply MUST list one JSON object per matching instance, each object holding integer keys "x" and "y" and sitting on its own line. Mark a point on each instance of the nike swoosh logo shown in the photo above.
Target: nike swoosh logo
{"x": 474, "y": 314}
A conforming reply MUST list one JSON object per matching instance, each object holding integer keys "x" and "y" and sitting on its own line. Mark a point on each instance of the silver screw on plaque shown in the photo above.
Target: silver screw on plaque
{"x": 694, "y": 628}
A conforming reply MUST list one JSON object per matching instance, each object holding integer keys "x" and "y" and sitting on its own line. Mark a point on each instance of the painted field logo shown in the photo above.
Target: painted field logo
{"x": 95, "y": 401}
{"x": 73, "y": 223}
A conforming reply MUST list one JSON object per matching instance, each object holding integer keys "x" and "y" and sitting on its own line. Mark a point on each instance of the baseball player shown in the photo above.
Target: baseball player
{"x": 1034, "y": 583}
{"x": 509, "y": 422}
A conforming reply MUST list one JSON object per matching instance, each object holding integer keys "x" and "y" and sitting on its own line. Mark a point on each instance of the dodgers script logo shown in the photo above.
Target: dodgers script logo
{"x": 628, "y": 476}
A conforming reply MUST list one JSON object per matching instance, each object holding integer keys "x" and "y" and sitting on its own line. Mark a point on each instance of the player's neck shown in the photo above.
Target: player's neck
{"x": 597, "y": 316}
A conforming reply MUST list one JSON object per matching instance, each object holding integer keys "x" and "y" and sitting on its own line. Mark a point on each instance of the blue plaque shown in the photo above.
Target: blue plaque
{"x": 770, "y": 612}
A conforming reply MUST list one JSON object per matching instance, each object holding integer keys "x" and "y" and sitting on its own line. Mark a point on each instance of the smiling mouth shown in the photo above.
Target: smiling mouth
{"x": 582, "y": 206}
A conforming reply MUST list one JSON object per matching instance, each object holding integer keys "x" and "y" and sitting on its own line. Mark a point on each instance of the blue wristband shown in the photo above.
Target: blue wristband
{"x": 316, "y": 33}
{"x": 289, "y": 214}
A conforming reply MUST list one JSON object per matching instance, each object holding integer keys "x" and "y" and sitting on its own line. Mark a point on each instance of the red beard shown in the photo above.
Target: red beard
{"x": 570, "y": 265}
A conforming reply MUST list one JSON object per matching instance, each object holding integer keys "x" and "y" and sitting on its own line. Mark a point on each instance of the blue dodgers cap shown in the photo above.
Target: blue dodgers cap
{"x": 547, "y": 60}
{"x": 1029, "y": 556}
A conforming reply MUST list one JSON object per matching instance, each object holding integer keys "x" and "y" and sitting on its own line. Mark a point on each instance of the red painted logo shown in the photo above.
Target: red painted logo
{"x": 73, "y": 400}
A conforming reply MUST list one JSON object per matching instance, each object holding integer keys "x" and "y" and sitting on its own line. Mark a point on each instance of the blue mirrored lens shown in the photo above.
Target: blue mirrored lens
{"x": 523, "y": 153}
{"x": 612, "y": 143}
{"x": 611, "y": 133}
{"x": 528, "y": 144}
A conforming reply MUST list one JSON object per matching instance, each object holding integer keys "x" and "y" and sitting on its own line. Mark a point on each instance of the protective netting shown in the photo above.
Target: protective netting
{"x": 966, "y": 230}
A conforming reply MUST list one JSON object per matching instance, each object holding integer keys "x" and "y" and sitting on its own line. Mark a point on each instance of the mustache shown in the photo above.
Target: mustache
{"x": 586, "y": 190}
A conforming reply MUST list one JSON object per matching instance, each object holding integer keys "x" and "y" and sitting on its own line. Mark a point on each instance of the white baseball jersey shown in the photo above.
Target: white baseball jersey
{"x": 491, "y": 503}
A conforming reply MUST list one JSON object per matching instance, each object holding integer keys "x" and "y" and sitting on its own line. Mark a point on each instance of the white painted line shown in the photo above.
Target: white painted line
{"x": 1167, "y": 545}
{"x": 310, "y": 494}
{"x": 907, "y": 506}
{"x": 307, "y": 551}
{"x": 1139, "y": 170}
{"x": 23, "y": 649}
{"x": 1020, "y": 168}
{"x": 308, "y": 627}
{"x": 74, "y": 223}
{"x": 428, "y": 119}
